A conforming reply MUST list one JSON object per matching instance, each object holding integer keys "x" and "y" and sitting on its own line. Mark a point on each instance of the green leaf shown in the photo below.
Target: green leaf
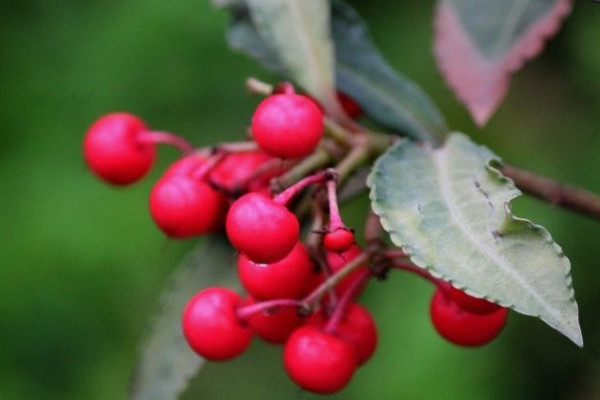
{"x": 448, "y": 208}
{"x": 300, "y": 35}
{"x": 385, "y": 95}
{"x": 166, "y": 362}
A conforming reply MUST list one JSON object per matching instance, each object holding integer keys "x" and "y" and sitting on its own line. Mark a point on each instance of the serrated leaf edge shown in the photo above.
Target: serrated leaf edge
{"x": 492, "y": 167}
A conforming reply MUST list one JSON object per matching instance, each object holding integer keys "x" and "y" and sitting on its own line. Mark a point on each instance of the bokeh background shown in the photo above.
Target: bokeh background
{"x": 82, "y": 266}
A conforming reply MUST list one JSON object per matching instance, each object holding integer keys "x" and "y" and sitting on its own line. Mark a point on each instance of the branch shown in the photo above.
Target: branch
{"x": 553, "y": 192}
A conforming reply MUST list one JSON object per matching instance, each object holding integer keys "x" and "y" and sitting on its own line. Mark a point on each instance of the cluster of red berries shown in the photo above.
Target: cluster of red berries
{"x": 299, "y": 295}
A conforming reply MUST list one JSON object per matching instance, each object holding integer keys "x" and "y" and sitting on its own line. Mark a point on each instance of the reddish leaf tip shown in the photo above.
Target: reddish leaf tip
{"x": 481, "y": 81}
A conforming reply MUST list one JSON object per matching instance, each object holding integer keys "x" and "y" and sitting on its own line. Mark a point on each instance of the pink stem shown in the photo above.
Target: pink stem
{"x": 316, "y": 295}
{"x": 395, "y": 253}
{"x": 422, "y": 273}
{"x": 212, "y": 162}
{"x": 166, "y": 138}
{"x": 344, "y": 300}
{"x": 246, "y": 312}
{"x": 335, "y": 220}
{"x": 288, "y": 194}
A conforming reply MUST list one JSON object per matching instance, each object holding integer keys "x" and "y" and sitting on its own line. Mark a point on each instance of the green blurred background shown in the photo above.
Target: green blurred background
{"x": 82, "y": 266}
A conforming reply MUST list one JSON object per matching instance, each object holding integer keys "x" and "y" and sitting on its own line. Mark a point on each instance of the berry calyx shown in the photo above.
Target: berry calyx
{"x": 261, "y": 229}
{"x": 211, "y": 326}
{"x": 287, "y": 125}
{"x": 472, "y": 304}
{"x": 275, "y": 325}
{"x": 461, "y": 327}
{"x": 182, "y": 206}
{"x": 356, "y": 327}
{"x": 339, "y": 240}
{"x": 318, "y": 361}
{"x": 289, "y": 277}
{"x": 113, "y": 150}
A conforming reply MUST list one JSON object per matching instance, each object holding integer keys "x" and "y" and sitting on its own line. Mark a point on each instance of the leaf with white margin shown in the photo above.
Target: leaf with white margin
{"x": 300, "y": 34}
{"x": 448, "y": 208}
{"x": 480, "y": 43}
{"x": 166, "y": 362}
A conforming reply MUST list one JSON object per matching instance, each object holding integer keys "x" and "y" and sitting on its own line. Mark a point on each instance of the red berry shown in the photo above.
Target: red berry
{"x": 349, "y": 105}
{"x": 211, "y": 326}
{"x": 187, "y": 165}
{"x": 357, "y": 328}
{"x": 289, "y": 277}
{"x": 182, "y": 206}
{"x": 337, "y": 261}
{"x": 317, "y": 361}
{"x": 112, "y": 149}
{"x": 237, "y": 171}
{"x": 261, "y": 229}
{"x": 472, "y": 304}
{"x": 338, "y": 240}
{"x": 287, "y": 125}
{"x": 275, "y": 326}
{"x": 461, "y": 327}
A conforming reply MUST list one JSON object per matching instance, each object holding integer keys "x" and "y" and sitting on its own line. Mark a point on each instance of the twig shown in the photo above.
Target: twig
{"x": 553, "y": 192}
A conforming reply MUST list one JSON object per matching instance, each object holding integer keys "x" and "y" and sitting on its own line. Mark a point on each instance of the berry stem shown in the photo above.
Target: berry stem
{"x": 340, "y": 308}
{"x": 159, "y": 137}
{"x": 373, "y": 228}
{"x": 318, "y": 159}
{"x": 313, "y": 242}
{"x": 288, "y": 194}
{"x": 211, "y": 163}
{"x": 338, "y": 132}
{"x": 396, "y": 253}
{"x": 256, "y": 86}
{"x": 401, "y": 265}
{"x": 335, "y": 220}
{"x": 358, "y": 154}
{"x": 235, "y": 147}
{"x": 246, "y": 312}
{"x": 317, "y": 295}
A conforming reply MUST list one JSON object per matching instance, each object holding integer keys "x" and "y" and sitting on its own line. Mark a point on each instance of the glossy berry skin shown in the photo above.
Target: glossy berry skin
{"x": 238, "y": 172}
{"x": 461, "y": 327}
{"x": 350, "y": 106}
{"x": 183, "y": 207}
{"x": 189, "y": 166}
{"x": 289, "y": 277}
{"x": 287, "y": 125}
{"x": 112, "y": 149}
{"x": 472, "y": 304}
{"x": 337, "y": 261}
{"x": 317, "y": 361}
{"x": 261, "y": 229}
{"x": 274, "y": 326}
{"x": 211, "y": 326}
{"x": 338, "y": 240}
{"x": 356, "y": 327}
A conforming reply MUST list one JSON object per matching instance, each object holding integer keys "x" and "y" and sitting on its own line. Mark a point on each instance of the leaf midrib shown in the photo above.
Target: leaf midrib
{"x": 440, "y": 159}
